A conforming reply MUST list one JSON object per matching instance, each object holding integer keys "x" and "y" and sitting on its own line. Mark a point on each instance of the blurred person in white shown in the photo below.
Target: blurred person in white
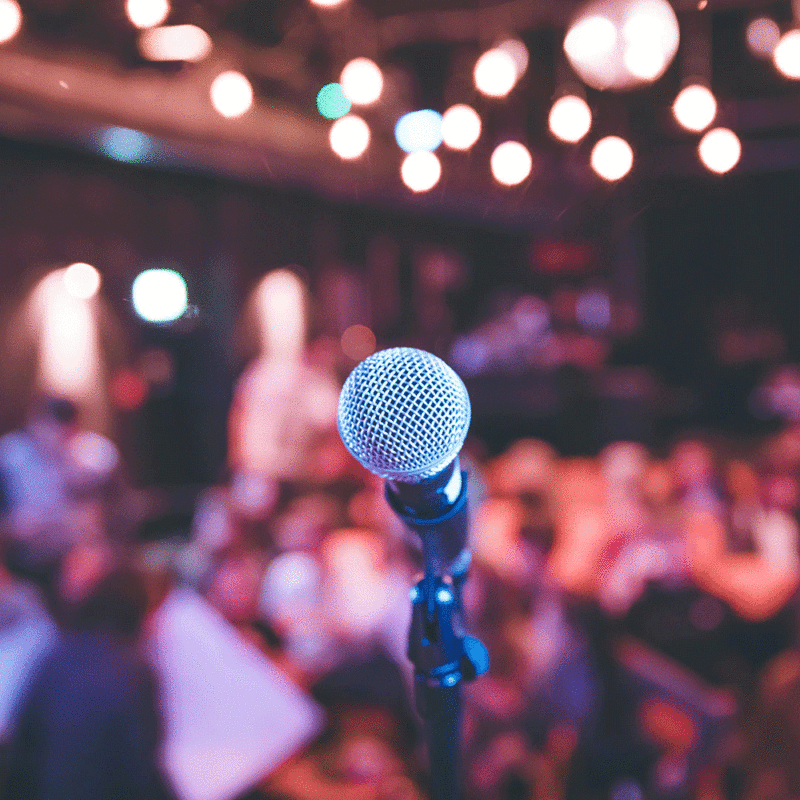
{"x": 55, "y": 479}
{"x": 285, "y": 401}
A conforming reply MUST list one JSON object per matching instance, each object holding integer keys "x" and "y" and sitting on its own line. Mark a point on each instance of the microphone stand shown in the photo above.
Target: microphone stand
{"x": 443, "y": 656}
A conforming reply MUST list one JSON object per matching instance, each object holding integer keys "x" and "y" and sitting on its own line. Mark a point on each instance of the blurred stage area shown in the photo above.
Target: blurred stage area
{"x": 210, "y": 212}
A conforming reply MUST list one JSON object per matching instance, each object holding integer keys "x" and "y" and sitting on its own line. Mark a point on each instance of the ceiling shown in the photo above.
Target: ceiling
{"x": 75, "y": 70}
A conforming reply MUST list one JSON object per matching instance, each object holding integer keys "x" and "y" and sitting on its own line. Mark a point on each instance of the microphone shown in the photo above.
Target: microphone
{"x": 404, "y": 415}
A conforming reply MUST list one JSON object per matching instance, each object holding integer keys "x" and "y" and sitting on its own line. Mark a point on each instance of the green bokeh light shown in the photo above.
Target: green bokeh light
{"x": 331, "y": 101}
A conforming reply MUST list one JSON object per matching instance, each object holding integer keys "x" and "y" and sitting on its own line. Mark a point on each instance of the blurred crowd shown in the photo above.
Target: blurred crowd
{"x": 640, "y": 609}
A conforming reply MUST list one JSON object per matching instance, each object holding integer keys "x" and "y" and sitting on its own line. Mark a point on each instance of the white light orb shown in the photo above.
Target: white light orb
{"x": 159, "y": 295}
{"x": 231, "y": 94}
{"x": 421, "y": 171}
{"x": 361, "y": 81}
{"x": 461, "y": 127}
{"x": 570, "y": 118}
{"x": 621, "y": 44}
{"x": 147, "y": 13}
{"x": 695, "y": 107}
{"x": 174, "y": 43}
{"x": 349, "y": 137}
{"x": 81, "y": 280}
{"x": 612, "y": 158}
{"x": 495, "y": 73}
{"x": 10, "y": 20}
{"x": 786, "y": 55}
{"x": 720, "y": 150}
{"x": 511, "y": 163}
{"x": 762, "y": 35}
{"x": 327, "y": 3}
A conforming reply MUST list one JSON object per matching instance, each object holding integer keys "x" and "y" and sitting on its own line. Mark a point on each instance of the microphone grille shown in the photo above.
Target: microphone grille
{"x": 404, "y": 414}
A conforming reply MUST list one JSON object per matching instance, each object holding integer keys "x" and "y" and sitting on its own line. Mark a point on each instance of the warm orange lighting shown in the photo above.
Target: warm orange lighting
{"x": 10, "y": 20}
{"x": 175, "y": 43}
{"x": 231, "y": 94}
{"x": 81, "y": 280}
{"x": 720, "y": 150}
{"x": 147, "y": 13}
{"x": 511, "y": 163}
{"x": 612, "y": 158}
{"x": 358, "y": 342}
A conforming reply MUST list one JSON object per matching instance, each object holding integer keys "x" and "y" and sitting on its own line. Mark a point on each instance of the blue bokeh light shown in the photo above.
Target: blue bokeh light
{"x": 419, "y": 131}
{"x": 124, "y": 144}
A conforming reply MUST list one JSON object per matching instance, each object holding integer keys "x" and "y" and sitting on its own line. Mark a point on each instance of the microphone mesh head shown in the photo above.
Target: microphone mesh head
{"x": 404, "y": 414}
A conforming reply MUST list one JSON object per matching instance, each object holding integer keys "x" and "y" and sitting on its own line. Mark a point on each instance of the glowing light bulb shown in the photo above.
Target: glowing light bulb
{"x": 592, "y": 37}
{"x": 461, "y": 127}
{"x": 361, "y": 81}
{"x": 511, "y": 163}
{"x": 695, "y": 107}
{"x": 174, "y": 43}
{"x": 81, "y": 280}
{"x": 720, "y": 150}
{"x": 419, "y": 131}
{"x": 10, "y": 20}
{"x": 147, "y": 13}
{"x": 612, "y": 158}
{"x": 763, "y": 34}
{"x": 159, "y": 295}
{"x": 495, "y": 73}
{"x": 349, "y": 137}
{"x": 421, "y": 171}
{"x": 231, "y": 94}
{"x": 786, "y": 55}
{"x": 570, "y": 118}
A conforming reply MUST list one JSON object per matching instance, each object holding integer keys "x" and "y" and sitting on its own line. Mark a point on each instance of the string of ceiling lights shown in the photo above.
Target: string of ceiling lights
{"x": 611, "y": 45}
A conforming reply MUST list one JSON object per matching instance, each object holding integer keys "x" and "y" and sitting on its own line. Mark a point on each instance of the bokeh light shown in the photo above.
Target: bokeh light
{"x": 461, "y": 127}
{"x": 786, "y": 55}
{"x": 495, "y": 73}
{"x": 280, "y": 302}
{"x": 10, "y": 20}
{"x": 619, "y": 44}
{"x": 511, "y": 163}
{"x": 361, "y": 81}
{"x": 358, "y": 342}
{"x": 419, "y": 131}
{"x": 349, "y": 137}
{"x": 762, "y": 35}
{"x": 421, "y": 171}
{"x": 327, "y": 3}
{"x": 147, "y": 13}
{"x": 159, "y": 295}
{"x": 124, "y": 144}
{"x": 570, "y": 118}
{"x": 720, "y": 150}
{"x": 332, "y": 102}
{"x": 695, "y": 107}
{"x": 231, "y": 94}
{"x": 175, "y": 43}
{"x": 81, "y": 280}
{"x": 612, "y": 158}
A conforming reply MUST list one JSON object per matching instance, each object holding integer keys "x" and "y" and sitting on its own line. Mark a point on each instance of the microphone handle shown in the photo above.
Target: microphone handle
{"x": 441, "y": 524}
